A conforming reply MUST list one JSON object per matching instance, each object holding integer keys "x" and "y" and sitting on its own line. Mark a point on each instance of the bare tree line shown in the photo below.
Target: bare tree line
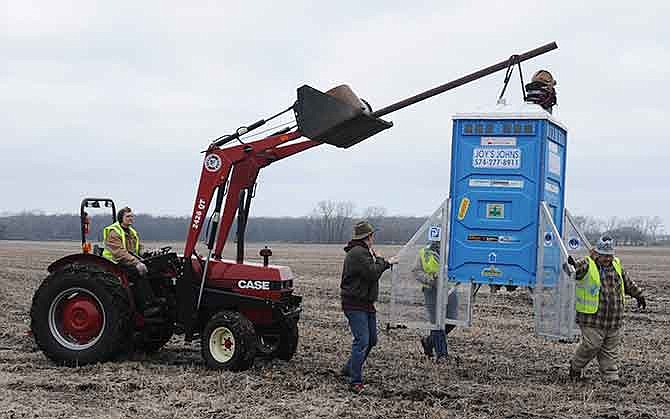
{"x": 328, "y": 222}
{"x": 631, "y": 231}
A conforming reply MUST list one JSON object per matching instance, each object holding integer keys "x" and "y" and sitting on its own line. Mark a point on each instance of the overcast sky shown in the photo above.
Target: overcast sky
{"x": 119, "y": 98}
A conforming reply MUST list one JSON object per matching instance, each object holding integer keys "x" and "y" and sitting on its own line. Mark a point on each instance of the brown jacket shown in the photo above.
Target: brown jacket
{"x": 121, "y": 254}
{"x": 359, "y": 288}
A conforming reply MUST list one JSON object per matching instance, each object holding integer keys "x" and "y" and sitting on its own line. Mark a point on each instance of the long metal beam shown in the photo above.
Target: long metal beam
{"x": 463, "y": 80}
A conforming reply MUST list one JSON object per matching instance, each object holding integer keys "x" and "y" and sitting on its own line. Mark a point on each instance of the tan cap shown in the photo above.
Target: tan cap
{"x": 543, "y": 76}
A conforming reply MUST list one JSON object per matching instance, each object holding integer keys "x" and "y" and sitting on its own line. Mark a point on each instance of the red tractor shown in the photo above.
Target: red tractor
{"x": 85, "y": 310}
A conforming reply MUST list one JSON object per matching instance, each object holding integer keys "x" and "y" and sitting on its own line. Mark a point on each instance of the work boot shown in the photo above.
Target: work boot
{"x": 356, "y": 388}
{"x": 575, "y": 375}
{"x": 426, "y": 343}
{"x": 442, "y": 359}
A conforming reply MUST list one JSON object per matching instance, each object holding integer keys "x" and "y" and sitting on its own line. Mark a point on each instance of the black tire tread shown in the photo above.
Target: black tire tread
{"x": 245, "y": 340}
{"x": 288, "y": 341}
{"x": 118, "y": 331}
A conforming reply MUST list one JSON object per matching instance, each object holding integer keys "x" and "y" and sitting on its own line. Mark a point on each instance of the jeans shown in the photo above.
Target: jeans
{"x": 364, "y": 330}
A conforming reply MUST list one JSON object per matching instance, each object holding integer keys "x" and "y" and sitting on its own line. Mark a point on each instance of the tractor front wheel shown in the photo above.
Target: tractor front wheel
{"x": 288, "y": 343}
{"x": 228, "y": 341}
{"x": 281, "y": 343}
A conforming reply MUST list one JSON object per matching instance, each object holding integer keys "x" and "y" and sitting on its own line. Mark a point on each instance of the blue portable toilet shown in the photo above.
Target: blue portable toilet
{"x": 505, "y": 161}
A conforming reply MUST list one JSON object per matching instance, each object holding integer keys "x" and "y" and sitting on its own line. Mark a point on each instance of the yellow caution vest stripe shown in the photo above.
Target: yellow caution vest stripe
{"x": 588, "y": 288}
{"x": 116, "y": 227}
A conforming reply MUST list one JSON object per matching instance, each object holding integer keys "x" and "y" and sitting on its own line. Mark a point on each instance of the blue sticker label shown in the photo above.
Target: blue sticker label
{"x": 435, "y": 233}
{"x": 573, "y": 243}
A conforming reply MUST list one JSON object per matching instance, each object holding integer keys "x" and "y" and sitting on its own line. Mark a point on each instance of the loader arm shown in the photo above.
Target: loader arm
{"x": 231, "y": 172}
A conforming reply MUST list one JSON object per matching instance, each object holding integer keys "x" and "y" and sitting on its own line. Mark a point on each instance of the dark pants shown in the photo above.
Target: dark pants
{"x": 364, "y": 330}
{"x": 438, "y": 337}
{"x": 142, "y": 291}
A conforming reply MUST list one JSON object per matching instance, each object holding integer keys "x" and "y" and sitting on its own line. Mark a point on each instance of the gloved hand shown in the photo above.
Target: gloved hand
{"x": 572, "y": 261}
{"x": 141, "y": 268}
{"x": 641, "y": 302}
{"x": 570, "y": 265}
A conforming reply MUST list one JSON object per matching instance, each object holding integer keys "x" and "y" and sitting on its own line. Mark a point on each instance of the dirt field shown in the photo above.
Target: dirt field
{"x": 497, "y": 368}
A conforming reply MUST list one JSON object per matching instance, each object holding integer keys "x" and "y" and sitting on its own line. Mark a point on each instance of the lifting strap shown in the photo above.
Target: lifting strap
{"x": 514, "y": 59}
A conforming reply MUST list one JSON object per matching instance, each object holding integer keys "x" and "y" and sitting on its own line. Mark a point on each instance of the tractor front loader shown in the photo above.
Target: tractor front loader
{"x": 85, "y": 310}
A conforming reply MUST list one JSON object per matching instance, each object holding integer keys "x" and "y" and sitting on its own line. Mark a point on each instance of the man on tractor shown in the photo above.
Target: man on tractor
{"x": 123, "y": 246}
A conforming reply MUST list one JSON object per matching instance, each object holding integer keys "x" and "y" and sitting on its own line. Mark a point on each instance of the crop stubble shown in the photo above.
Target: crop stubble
{"x": 497, "y": 368}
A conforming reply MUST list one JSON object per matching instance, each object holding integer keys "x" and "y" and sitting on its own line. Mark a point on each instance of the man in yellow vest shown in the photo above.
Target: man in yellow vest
{"x": 123, "y": 246}
{"x": 427, "y": 270}
{"x": 600, "y": 289}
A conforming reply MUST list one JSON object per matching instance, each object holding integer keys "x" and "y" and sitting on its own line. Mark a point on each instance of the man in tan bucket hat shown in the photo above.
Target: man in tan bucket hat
{"x": 359, "y": 290}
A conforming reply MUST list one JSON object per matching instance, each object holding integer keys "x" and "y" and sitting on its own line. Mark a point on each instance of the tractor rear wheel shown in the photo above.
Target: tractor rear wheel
{"x": 81, "y": 315}
{"x": 281, "y": 343}
{"x": 228, "y": 341}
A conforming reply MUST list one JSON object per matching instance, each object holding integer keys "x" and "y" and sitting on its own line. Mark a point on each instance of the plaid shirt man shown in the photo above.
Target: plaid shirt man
{"x": 610, "y": 305}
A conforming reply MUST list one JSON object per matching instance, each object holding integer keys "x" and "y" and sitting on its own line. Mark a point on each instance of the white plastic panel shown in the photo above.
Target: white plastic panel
{"x": 412, "y": 302}
{"x": 459, "y": 307}
{"x": 554, "y": 293}
{"x": 575, "y": 241}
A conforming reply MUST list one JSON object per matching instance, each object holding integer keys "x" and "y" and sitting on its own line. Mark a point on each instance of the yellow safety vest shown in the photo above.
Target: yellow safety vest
{"x": 429, "y": 262}
{"x": 116, "y": 227}
{"x": 588, "y": 288}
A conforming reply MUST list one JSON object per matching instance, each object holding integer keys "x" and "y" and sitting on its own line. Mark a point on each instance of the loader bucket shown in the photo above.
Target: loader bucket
{"x": 338, "y": 117}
